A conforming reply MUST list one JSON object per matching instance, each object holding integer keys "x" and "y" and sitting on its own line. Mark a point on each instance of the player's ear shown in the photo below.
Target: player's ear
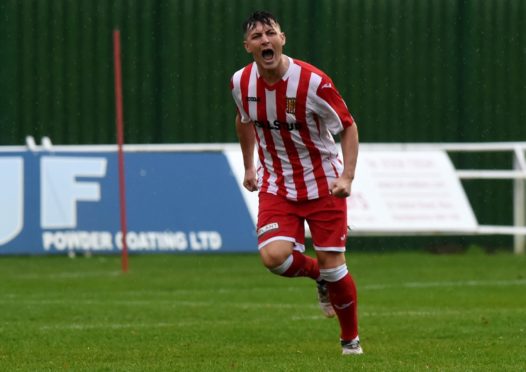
{"x": 283, "y": 38}
{"x": 247, "y": 48}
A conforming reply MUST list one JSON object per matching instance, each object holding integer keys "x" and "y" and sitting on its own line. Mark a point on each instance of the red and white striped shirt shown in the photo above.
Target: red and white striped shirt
{"x": 294, "y": 119}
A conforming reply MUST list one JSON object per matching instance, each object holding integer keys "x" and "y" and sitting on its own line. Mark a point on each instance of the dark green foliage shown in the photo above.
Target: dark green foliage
{"x": 411, "y": 71}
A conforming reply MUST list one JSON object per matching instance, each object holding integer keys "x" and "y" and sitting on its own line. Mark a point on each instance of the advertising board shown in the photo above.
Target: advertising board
{"x": 176, "y": 202}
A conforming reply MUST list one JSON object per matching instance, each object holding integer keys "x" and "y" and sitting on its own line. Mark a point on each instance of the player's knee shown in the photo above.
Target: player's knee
{"x": 275, "y": 257}
{"x": 330, "y": 259}
{"x": 272, "y": 261}
{"x": 280, "y": 268}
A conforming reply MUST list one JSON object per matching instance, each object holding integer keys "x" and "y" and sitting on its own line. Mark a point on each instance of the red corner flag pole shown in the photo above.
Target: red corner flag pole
{"x": 120, "y": 140}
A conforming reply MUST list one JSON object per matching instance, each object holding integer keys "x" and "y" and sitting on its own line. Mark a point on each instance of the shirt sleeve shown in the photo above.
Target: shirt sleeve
{"x": 236, "y": 94}
{"x": 332, "y": 108}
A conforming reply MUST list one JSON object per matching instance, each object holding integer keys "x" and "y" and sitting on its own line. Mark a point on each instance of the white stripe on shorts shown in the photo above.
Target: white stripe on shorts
{"x": 297, "y": 246}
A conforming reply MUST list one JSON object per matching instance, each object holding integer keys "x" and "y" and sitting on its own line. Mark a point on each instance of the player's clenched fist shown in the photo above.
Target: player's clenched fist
{"x": 250, "y": 181}
{"x": 341, "y": 188}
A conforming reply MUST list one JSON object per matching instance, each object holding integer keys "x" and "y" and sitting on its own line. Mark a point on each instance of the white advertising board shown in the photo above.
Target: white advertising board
{"x": 396, "y": 192}
{"x": 408, "y": 191}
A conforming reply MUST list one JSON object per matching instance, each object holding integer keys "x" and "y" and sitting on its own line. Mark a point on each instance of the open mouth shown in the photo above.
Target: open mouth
{"x": 267, "y": 54}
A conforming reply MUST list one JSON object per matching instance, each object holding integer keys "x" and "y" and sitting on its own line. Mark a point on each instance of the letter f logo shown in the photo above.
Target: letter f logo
{"x": 61, "y": 190}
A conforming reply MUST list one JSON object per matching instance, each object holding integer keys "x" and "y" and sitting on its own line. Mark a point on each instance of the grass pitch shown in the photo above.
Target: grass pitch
{"x": 226, "y": 312}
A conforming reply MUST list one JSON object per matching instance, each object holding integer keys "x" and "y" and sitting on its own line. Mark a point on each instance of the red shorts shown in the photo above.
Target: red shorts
{"x": 283, "y": 219}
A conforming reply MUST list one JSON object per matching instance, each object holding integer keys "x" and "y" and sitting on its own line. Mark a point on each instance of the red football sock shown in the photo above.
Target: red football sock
{"x": 302, "y": 265}
{"x": 344, "y": 300}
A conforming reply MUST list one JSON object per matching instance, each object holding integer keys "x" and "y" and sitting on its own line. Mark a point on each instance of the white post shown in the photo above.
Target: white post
{"x": 519, "y": 201}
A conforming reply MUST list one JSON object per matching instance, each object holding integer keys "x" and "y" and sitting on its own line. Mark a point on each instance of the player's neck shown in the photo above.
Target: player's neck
{"x": 272, "y": 76}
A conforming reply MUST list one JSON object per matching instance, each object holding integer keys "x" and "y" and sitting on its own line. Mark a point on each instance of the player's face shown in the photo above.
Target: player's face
{"x": 265, "y": 43}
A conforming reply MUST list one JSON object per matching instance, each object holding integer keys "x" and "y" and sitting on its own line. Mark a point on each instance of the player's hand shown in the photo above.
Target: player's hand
{"x": 341, "y": 188}
{"x": 250, "y": 182}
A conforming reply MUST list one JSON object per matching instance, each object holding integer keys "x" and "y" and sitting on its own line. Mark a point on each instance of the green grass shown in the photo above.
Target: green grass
{"x": 226, "y": 312}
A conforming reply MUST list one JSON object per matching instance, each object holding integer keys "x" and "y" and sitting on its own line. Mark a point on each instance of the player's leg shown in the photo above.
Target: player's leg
{"x": 327, "y": 220}
{"x": 281, "y": 239}
{"x": 343, "y": 297}
{"x": 281, "y": 259}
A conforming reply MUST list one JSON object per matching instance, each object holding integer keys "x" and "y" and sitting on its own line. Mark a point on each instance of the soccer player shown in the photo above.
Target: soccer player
{"x": 290, "y": 110}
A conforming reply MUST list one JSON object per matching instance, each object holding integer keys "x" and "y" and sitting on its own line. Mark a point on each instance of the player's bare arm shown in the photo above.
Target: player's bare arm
{"x": 341, "y": 188}
{"x": 247, "y": 140}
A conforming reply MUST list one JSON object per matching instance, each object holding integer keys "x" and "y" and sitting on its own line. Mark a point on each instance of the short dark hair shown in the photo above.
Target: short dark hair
{"x": 261, "y": 16}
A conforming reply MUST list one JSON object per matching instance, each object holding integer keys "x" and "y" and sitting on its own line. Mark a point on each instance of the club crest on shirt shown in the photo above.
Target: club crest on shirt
{"x": 291, "y": 106}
